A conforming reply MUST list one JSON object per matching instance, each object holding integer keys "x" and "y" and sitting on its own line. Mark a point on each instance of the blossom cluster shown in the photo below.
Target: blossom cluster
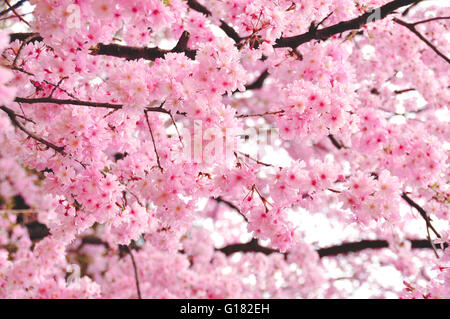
{"x": 117, "y": 171}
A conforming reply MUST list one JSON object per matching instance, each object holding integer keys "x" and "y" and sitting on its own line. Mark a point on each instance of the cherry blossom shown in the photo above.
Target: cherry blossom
{"x": 224, "y": 149}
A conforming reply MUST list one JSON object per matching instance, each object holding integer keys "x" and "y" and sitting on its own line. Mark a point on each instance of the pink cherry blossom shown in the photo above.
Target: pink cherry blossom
{"x": 224, "y": 149}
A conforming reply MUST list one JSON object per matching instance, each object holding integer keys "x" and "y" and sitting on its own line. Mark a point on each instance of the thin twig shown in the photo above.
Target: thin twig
{"x": 411, "y": 7}
{"x": 22, "y": 45}
{"x": 323, "y": 20}
{"x": 176, "y": 128}
{"x": 136, "y": 273}
{"x": 67, "y": 101}
{"x": 254, "y": 159}
{"x": 422, "y": 213}
{"x": 431, "y": 242}
{"x": 153, "y": 140}
{"x": 411, "y": 27}
{"x": 259, "y": 114}
{"x": 13, "y": 117}
{"x": 335, "y": 142}
{"x": 229, "y": 30}
{"x": 14, "y": 16}
{"x": 404, "y": 91}
{"x": 57, "y": 86}
{"x": 231, "y": 205}
{"x": 340, "y": 249}
{"x": 45, "y": 81}
{"x": 13, "y": 7}
{"x": 429, "y": 20}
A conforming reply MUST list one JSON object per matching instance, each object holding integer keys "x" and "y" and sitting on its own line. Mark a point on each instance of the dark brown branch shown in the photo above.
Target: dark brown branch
{"x": 197, "y": 6}
{"x": 353, "y": 24}
{"x": 411, "y": 7}
{"x": 229, "y": 30}
{"x": 113, "y": 106}
{"x": 258, "y": 83}
{"x": 254, "y": 159}
{"x": 430, "y": 19}
{"x": 134, "y": 53}
{"x": 84, "y": 103}
{"x": 405, "y": 196}
{"x": 92, "y": 240}
{"x": 22, "y": 36}
{"x": 259, "y": 114}
{"x": 122, "y": 51}
{"x": 412, "y": 28}
{"x": 19, "y": 51}
{"x": 404, "y": 91}
{"x": 342, "y": 249}
{"x": 57, "y": 86}
{"x": 292, "y": 42}
{"x": 37, "y": 231}
{"x": 129, "y": 250}
{"x": 231, "y": 205}
{"x": 13, "y": 7}
{"x": 66, "y": 101}
{"x": 251, "y": 246}
{"x": 346, "y": 248}
{"x": 182, "y": 46}
{"x": 422, "y": 213}
{"x": 153, "y": 140}
{"x": 45, "y": 81}
{"x": 136, "y": 274}
{"x": 13, "y": 117}
{"x": 335, "y": 142}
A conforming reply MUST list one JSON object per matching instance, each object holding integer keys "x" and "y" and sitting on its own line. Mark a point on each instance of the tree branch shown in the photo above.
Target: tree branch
{"x": 353, "y": 24}
{"x": 254, "y": 247}
{"x": 259, "y": 114}
{"x": 259, "y": 82}
{"x": 128, "y": 250}
{"x": 335, "y": 142}
{"x": 422, "y": 213}
{"x": 197, "y": 6}
{"x": 153, "y": 140}
{"x": 22, "y": 36}
{"x": 134, "y": 53}
{"x": 412, "y": 28}
{"x": 67, "y": 101}
{"x": 13, "y": 117}
{"x": 429, "y": 20}
{"x": 405, "y": 196}
{"x": 404, "y": 91}
{"x": 84, "y": 103}
{"x": 229, "y": 30}
{"x": 13, "y": 7}
{"x": 404, "y": 13}
{"x": 342, "y": 249}
{"x": 292, "y": 42}
{"x": 231, "y": 205}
